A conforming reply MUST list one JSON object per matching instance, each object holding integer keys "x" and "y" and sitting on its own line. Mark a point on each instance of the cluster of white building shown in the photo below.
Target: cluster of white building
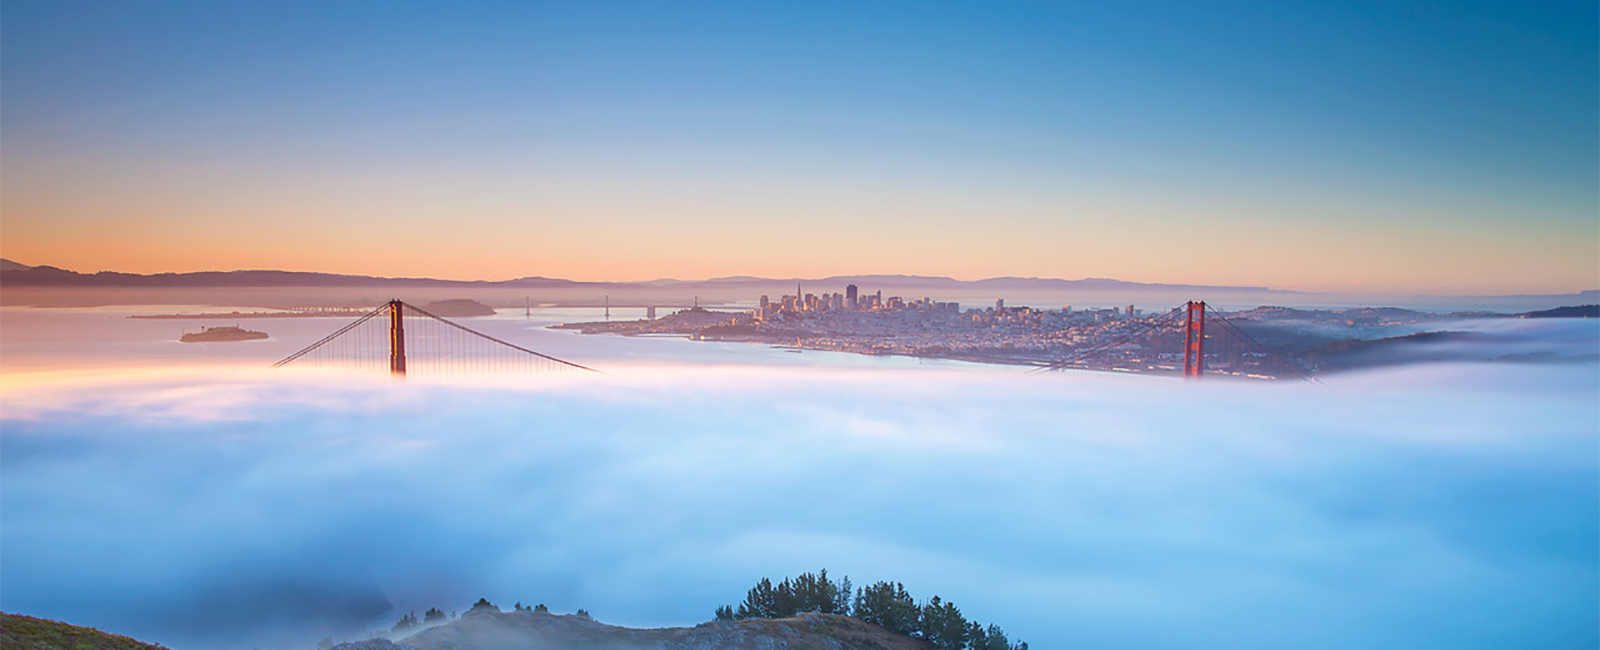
{"x": 851, "y": 300}
{"x": 805, "y": 304}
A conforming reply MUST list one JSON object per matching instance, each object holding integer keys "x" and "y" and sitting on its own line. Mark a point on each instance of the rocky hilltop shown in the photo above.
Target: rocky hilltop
{"x": 529, "y": 630}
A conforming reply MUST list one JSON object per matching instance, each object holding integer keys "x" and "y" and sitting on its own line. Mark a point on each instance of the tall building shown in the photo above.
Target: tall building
{"x": 850, "y": 297}
{"x": 999, "y": 304}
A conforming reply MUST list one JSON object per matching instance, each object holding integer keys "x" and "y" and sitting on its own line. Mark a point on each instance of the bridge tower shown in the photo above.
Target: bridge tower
{"x": 397, "y": 339}
{"x": 1194, "y": 341}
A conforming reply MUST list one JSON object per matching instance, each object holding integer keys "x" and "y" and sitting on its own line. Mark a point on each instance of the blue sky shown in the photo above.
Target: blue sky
{"x": 1447, "y": 148}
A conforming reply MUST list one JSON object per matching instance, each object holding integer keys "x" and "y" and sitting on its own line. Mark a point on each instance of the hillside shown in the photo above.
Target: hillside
{"x": 1576, "y": 311}
{"x": 18, "y": 632}
{"x": 528, "y": 630}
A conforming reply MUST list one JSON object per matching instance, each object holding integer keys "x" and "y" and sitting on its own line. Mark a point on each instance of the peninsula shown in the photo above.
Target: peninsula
{"x": 1122, "y": 338}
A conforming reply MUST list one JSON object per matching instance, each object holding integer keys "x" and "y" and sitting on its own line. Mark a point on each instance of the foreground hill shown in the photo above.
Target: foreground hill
{"x": 528, "y": 630}
{"x": 19, "y": 632}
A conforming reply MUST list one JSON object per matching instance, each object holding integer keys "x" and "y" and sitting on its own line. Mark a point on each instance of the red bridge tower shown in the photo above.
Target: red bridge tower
{"x": 397, "y": 339}
{"x": 1194, "y": 341}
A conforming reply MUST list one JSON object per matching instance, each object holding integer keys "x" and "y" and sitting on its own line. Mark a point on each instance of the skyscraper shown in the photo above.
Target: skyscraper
{"x": 850, "y": 297}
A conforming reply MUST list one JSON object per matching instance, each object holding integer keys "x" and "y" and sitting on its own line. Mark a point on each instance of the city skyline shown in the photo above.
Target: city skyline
{"x": 1363, "y": 148}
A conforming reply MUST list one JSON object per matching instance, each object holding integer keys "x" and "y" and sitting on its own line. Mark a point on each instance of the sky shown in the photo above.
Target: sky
{"x": 1444, "y": 148}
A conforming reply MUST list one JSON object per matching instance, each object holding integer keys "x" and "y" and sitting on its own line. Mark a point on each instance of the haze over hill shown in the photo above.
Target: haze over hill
{"x": 48, "y": 285}
{"x": 23, "y": 275}
{"x": 527, "y": 629}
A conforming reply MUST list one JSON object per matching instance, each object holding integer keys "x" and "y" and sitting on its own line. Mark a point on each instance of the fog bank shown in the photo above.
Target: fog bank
{"x": 1432, "y": 506}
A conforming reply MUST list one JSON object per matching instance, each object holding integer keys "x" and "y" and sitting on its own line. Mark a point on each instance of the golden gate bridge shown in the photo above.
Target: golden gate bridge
{"x": 1193, "y": 340}
{"x": 405, "y": 339}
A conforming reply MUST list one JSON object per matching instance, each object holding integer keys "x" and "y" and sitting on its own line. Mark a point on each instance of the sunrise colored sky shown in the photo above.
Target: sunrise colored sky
{"x": 1344, "y": 146}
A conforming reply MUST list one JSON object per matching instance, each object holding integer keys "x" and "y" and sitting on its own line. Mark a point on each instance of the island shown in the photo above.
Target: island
{"x": 222, "y": 334}
{"x": 458, "y": 308}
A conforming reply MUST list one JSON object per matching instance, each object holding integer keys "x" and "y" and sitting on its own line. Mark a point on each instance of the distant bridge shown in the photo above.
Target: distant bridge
{"x": 405, "y": 339}
{"x": 1193, "y": 339}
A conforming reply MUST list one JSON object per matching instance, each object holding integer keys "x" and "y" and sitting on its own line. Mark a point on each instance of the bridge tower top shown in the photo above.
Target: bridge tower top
{"x": 1194, "y": 341}
{"x": 397, "y": 339}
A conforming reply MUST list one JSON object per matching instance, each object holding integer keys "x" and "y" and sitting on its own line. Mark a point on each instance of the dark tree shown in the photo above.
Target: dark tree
{"x": 994, "y": 638}
{"x": 784, "y": 604}
{"x": 433, "y": 615}
{"x": 814, "y": 593}
{"x": 809, "y": 592}
{"x": 841, "y": 597}
{"x": 889, "y": 605}
{"x": 541, "y": 609}
{"x": 406, "y": 622}
{"x": 760, "y": 602}
{"x": 943, "y": 625}
{"x": 583, "y": 614}
{"x": 977, "y": 636}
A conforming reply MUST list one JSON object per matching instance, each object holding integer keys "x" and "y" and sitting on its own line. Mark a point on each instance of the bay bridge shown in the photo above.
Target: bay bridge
{"x": 1191, "y": 340}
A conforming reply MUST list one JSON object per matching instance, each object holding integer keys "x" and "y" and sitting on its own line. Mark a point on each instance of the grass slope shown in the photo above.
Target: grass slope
{"x": 18, "y": 632}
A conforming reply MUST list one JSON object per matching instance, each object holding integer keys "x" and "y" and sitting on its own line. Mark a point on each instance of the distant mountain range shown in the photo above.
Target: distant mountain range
{"x": 14, "y": 275}
{"x": 19, "y": 275}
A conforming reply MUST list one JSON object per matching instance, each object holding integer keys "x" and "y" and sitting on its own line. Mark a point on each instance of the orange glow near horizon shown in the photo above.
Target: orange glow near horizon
{"x": 955, "y": 221}
{"x": 1359, "y": 267}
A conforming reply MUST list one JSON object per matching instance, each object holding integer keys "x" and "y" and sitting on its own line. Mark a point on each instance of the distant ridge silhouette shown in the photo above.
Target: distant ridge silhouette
{"x": 49, "y": 276}
{"x": 14, "y": 274}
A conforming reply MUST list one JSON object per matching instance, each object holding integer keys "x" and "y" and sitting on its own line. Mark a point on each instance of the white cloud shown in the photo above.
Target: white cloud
{"x": 248, "y": 508}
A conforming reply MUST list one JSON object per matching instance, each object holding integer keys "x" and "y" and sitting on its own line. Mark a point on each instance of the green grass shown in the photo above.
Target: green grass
{"x": 18, "y": 632}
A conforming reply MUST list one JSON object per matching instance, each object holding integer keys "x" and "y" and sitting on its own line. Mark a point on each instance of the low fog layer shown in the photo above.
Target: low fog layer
{"x": 1430, "y": 506}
